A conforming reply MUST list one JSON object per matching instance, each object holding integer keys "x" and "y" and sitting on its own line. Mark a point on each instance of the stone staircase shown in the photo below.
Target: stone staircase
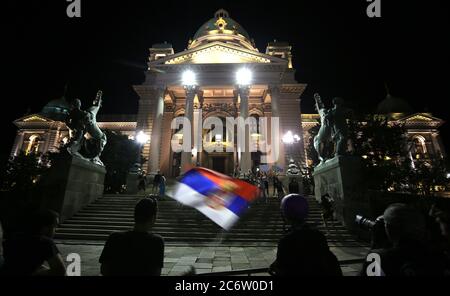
{"x": 262, "y": 224}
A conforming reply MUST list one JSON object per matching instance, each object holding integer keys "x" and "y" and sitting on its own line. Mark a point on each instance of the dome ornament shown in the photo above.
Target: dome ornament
{"x": 220, "y": 24}
{"x": 221, "y": 13}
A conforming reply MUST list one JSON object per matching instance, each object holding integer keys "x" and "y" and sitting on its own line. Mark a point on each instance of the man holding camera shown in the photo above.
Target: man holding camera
{"x": 408, "y": 253}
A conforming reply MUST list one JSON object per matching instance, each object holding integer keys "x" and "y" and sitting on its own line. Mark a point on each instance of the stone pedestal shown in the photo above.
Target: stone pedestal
{"x": 71, "y": 184}
{"x": 342, "y": 178}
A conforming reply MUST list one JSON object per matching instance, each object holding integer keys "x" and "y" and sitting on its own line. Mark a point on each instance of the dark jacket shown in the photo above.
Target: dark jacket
{"x": 305, "y": 251}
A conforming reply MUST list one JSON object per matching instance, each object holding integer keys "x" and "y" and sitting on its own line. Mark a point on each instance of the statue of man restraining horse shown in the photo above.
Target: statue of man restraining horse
{"x": 86, "y": 139}
{"x": 333, "y": 129}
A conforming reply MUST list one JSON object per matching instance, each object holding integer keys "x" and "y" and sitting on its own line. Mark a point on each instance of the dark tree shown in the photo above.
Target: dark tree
{"x": 429, "y": 176}
{"x": 119, "y": 155}
{"x": 382, "y": 148}
{"x": 22, "y": 173}
{"x": 20, "y": 191}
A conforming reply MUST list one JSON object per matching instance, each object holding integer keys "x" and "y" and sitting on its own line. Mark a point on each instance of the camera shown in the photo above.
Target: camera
{"x": 366, "y": 223}
{"x": 378, "y": 234}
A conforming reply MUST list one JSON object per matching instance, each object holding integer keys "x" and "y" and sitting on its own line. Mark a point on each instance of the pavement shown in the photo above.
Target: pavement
{"x": 205, "y": 259}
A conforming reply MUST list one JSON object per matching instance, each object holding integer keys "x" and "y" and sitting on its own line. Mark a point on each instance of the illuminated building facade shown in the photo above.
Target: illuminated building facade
{"x": 218, "y": 50}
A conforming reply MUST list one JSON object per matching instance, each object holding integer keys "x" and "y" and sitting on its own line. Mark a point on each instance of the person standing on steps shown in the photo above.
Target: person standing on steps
{"x": 137, "y": 252}
{"x": 293, "y": 186}
{"x": 327, "y": 204}
{"x": 162, "y": 186}
{"x": 303, "y": 250}
{"x": 156, "y": 181}
{"x": 142, "y": 181}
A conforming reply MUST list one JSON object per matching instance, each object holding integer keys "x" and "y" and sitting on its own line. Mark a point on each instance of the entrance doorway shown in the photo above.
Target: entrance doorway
{"x": 218, "y": 164}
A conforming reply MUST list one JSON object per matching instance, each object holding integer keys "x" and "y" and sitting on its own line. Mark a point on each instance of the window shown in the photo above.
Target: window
{"x": 419, "y": 146}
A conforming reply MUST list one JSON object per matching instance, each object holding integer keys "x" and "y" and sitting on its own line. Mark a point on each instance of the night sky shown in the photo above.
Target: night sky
{"x": 337, "y": 50}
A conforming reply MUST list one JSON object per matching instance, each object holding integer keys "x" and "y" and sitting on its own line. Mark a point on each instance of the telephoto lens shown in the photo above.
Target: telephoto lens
{"x": 364, "y": 223}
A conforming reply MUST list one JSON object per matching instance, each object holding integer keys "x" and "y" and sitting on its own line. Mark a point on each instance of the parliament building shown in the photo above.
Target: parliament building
{"x": 218, "y": 50}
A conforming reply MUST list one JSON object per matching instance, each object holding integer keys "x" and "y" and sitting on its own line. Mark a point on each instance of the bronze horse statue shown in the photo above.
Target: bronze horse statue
{"x": 94, "y": 145}
{"x": 87, "y": 139}
{"x": 323, "y": 137}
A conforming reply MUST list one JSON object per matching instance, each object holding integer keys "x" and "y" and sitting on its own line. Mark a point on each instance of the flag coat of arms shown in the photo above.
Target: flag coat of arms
{"x": 219, "y": 197}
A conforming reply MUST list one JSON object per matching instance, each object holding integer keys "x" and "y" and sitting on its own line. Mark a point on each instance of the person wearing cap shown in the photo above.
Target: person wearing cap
{"x": 303, "y": 250}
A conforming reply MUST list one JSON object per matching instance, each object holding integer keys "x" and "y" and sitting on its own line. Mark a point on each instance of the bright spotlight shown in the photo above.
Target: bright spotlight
{"x": 288, "y": 138}
{"x": 244, "y": 76}
{"x": 142, "y": 138}
{"x": 188, "y": 78}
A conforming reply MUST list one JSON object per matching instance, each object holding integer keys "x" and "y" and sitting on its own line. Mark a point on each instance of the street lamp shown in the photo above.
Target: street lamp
{"x": 141, "y": 138}
{"x": 244, "y": 77}
{"x": 188, "y": 78}
{"x": 289, "y": 138}
{"x": 189, "y": 82}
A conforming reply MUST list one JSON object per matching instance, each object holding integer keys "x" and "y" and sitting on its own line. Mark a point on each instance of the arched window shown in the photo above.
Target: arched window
{"x": 221, "y": 137}
{"x": 33, "y": 144}
{"x": 419, "y": 146}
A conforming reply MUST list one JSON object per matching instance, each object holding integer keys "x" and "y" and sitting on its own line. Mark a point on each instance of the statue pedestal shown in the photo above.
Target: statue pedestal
{"x": 342, "y": 178}
{"x": 71, "y": 184}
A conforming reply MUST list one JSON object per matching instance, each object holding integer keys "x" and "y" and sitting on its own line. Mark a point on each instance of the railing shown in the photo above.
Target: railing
{"x": 251, "y": 271}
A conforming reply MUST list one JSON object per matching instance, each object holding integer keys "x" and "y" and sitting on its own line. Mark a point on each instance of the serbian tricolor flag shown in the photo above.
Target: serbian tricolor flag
{"x": 219, "y": 197}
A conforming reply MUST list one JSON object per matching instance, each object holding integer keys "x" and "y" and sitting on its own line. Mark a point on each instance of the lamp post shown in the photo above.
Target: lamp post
{"x": 243, "y": 80}
{"x": 189, "y": 81}
{"x": 141, "y": 139}
{"x": 289, "y": 138}
{"x": 293, "y": 171}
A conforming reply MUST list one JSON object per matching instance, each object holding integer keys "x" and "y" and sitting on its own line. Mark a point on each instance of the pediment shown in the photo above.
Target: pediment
{"x": 420, "y": 117}
{"x": 217, "y": 53}
{"x": 33, "y": 118}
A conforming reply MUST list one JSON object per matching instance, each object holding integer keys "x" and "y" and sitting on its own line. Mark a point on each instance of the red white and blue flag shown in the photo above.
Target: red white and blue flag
{"x": 219, "y": 197}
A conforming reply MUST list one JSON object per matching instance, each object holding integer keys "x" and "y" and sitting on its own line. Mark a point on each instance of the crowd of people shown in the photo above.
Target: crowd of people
{"x": 303, "y": 250}
{"x": 265, "y": 180}
{"x": 158, "y": 184}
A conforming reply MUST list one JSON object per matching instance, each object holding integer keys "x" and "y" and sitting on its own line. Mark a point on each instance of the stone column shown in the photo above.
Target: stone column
{"x": 155, "y": 140}
{"x": 436, "y": 144}
{"x": 197, "y": 127}
{"x": 186, "y": 156}
{"x": 18, "y": 143}
{"x": 246, "y": 161}
{"x": 275, "y": 110}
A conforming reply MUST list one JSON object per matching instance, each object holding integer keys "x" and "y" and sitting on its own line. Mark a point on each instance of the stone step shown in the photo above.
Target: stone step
{"x": 202, "y": 233}
{"x": 240, "y": 226}
{"x": 185, "y": 239}
{"x": 186, "y": 224}
{"x": 262, "y": 223}
{"x": 196, "y": 217}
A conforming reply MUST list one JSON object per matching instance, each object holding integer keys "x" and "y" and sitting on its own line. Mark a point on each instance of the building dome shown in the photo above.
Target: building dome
{"x": 222, "y": 28}
{"x": 56, "y": 109}
{"x": 393, "y": 104}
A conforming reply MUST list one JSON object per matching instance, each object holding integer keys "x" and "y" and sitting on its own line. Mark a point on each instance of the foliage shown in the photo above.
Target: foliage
{"x": 429, "y": 176}
{"x": 22, "y": 173}
{"x": 119, "y": 155}
{"x": 382, "y": 147}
